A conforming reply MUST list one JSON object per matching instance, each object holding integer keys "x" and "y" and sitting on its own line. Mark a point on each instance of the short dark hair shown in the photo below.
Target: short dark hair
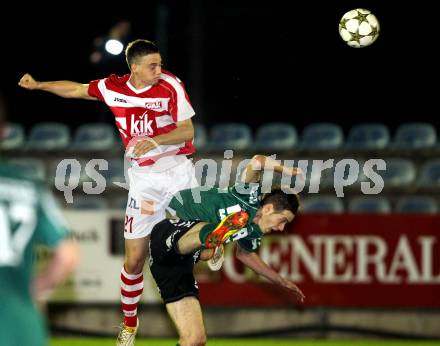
{"x": 139, "y": 48}
{"x": 281, "y": 200}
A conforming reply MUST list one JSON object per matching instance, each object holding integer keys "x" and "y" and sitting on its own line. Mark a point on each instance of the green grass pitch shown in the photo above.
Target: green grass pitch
{"x": 244, "y": 342}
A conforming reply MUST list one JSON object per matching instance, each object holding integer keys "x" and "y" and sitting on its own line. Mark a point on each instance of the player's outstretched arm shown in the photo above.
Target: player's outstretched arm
{"x": 254, "y": 261}
{"x": 63, "y": 262}
{"x": 252, "y": 172}
{"x": 63, "y": 88}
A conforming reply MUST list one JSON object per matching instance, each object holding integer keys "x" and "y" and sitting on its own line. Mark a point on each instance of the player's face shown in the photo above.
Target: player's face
{"x": 274, "y": 221}
{"x": 147, "y": 69}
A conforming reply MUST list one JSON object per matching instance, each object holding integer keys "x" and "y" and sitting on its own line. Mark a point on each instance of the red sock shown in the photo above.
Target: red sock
{"x": 132, "y": 286}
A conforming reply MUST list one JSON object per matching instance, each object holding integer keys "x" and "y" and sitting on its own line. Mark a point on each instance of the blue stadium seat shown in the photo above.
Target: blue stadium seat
{"x": 322, "y": 204}
{"x": 14, "y": 137}
{"x": 115, "y": 172}
{"x": 322, "y": 136}
{"x": 417, "y": 204}
{"x": 200, "y": 136}
{"x": 34, "y": 168}
{"x": 235, "y": 136}
{"x": 369, "y": 204}
{"x": 70, "y": 177}
{"x": 311, "y": 177}
{"x": 368, "y": 137}
{"x": 118, "y": 202}
{"x": 329, "y": 178}
{"x": 430, "y": 175}
{"x": 94, "y": 137}
{"x": 411, "y": 136}
{"x": 276, "y": 136}
{"x": 49, "y": 136}
{"x": 399, "y": 173}
{"x": 89, "y": 202}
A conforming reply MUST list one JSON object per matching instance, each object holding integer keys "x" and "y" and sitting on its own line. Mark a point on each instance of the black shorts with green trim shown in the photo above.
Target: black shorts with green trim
{"x": 172, "y": 272}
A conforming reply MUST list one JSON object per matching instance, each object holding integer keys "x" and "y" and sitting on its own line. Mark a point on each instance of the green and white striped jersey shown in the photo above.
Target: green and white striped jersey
{"x": 214, "y": 204}
{"x": 28, "y": 216}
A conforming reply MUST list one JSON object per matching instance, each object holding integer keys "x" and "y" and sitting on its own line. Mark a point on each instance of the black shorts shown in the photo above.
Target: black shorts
{"x": 172, "y": 272}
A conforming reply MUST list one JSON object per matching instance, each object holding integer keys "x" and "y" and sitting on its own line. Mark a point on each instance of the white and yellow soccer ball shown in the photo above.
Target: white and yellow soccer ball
{"x": 359, "y": 28}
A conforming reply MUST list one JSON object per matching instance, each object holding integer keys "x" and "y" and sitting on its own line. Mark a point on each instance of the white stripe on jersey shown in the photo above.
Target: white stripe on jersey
{"x": 122, "y": 122}
{"x": 185, "y": 110}
{"x": 115, "y": 99}
{"x": 164, "y": 120}
{"x": 102, "y": 88}
{"x": 122, "y": 125}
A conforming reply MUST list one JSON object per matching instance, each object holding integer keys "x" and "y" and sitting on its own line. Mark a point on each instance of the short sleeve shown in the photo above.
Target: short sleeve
{"x": 249, "y": 245}
{"x": 94, "y": 89}
{"x": 180, "y": 107}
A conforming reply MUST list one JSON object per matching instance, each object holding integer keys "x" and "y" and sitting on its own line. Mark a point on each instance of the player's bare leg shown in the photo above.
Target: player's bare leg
{"x": 190, "y": 241}
{"x": 187, "y": 317}
{"x": 136, "y": 252}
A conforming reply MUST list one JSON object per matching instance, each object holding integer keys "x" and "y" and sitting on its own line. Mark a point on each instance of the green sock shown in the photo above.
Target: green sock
{"x": 207, "y": 229}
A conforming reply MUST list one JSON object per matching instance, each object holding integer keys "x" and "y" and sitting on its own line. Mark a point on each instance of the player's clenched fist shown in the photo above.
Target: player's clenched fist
{"x": 28, "y": 82}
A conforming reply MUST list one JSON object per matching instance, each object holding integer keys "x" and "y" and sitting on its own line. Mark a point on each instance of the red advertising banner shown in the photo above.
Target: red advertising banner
{"x": 340, "y": 261}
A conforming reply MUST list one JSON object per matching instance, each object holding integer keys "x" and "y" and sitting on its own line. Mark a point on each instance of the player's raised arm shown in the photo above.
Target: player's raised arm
{"x": 252, "y": 172}
{"x": 63, "y": 88}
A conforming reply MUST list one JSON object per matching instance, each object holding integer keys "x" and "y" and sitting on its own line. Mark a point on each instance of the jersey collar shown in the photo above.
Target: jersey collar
{"x": 137, "y": 91}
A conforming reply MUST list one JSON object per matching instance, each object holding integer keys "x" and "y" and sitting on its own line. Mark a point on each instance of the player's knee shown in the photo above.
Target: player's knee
{"x": 134, "y": 263}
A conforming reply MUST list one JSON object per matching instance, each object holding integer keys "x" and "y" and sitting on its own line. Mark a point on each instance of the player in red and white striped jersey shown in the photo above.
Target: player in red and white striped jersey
{"x": 153, "y": 115}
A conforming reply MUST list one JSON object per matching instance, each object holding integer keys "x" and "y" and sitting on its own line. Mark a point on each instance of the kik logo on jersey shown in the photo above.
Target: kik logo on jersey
{"x": 140, "y": 125}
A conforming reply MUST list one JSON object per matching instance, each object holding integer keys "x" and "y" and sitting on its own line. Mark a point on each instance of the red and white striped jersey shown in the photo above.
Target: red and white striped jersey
{"x": 150, "y": 111}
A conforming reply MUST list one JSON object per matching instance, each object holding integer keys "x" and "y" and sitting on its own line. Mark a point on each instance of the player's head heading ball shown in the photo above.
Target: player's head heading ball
{"x": 281, "y": 200}
{"x": 278, "y": 208}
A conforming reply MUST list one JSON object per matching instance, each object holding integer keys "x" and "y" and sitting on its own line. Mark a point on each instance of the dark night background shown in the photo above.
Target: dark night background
{"x": 240, "y": 61}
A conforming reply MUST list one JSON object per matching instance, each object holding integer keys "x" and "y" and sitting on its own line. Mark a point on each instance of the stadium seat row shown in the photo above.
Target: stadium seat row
{"x": 56, "y": 136}
{"x": 315, "y": 204}
{"x": 399, "y": 174}
{"x": 370, "y": 204}
{"x": 317, "y": 136}
{"x": 274, "y": 136}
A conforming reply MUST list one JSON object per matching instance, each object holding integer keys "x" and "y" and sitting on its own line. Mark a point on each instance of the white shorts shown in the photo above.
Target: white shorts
{"x": 151, "y": 191}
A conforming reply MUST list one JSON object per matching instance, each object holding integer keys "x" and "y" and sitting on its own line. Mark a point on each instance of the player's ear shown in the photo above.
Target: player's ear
{"x": 267, "y": 208}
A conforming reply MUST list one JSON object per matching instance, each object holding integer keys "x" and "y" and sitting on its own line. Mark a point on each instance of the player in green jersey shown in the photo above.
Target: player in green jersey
{"x": 28, "y": 216}
{"x": 206, "y": 220}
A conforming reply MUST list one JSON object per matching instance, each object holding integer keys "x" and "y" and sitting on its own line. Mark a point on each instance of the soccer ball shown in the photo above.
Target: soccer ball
{"x": 359, "y": 28}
